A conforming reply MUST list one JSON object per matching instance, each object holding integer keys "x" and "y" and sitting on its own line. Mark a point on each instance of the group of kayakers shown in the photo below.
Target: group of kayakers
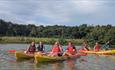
{"x": 97, "y": 46}
{"x": 57, "y": 49}
{"x": 32, "y": 48}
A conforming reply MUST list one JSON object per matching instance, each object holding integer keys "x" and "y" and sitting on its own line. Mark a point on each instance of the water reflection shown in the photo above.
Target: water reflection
{"x": 71, "y": 65}
{"x": 57, "y": 66}
{"x": 89, "y": 62}
{"x": 49, "y": 66}
{"x": 96, "y": 58}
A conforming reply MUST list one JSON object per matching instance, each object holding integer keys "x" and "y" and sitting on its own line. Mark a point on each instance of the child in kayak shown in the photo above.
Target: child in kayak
{"x": 71, "y": 50}
{"x": 56, "y": 50}
{"x": 97, "y": 47}
{"x": 106, "y": 46}
{"x": 31, "y": 49}
{"x": 41, "y": 47}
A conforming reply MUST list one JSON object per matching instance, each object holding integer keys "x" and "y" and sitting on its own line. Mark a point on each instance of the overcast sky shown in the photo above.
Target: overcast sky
{"x": 61, "y": 12}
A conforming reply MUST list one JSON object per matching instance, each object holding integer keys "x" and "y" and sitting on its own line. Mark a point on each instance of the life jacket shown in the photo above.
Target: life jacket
{"x": 40, "y": 48}
{"x": 70, "y": 49}
{"x": 32, "y": 48}
{"x": 56, "y": 49}
{"x": 85, "y": 47}
{"x": 97, "y": 48}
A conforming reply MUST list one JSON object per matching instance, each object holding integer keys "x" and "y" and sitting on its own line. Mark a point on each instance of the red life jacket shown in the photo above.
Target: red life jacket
{"x": 56, "y": 49}
{"x": 97, "y": 47}
{"x": 70, "y": 49}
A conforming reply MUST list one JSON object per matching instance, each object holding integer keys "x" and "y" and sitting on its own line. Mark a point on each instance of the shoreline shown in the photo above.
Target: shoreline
{"x": 48, "y": 41}
{"x": 26, "y": 40}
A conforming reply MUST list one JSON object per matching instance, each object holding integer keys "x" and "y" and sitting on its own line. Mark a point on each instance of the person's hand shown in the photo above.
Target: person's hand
{"x": 73, "y": 49}
{"x": 25, "y": 51}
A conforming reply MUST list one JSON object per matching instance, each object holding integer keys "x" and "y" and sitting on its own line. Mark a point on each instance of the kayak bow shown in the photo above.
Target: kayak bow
{"x": 107, "y": 52}
{"x": 20, "y": 55}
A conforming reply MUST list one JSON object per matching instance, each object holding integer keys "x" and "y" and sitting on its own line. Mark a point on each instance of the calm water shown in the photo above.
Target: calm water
{"x": 90, "y": 62}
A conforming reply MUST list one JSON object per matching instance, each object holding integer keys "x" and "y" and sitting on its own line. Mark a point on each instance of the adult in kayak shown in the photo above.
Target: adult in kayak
{"x": 97, "y": 47}
{"x": 31, "y": 49}
{"x": 56, "y": 50}
{"x": 71, "y": 50}
{"x": 106, "y": 46}
{"x": 40, "y": 47}
{"x": 85, "y": 46}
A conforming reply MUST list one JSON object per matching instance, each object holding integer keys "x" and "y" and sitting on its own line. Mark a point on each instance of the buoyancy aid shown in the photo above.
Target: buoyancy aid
{"x": 70, "y": 49}
{"x": 32, "y": 48}
{"x": 97, "y": 47}
{"x": 56, "y": 49}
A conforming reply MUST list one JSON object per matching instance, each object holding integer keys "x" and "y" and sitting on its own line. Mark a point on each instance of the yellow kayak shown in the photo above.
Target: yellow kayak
{"x": 45, "y": 58}
{"x": 106, "y": 52}
{"x": 20, "y": 55}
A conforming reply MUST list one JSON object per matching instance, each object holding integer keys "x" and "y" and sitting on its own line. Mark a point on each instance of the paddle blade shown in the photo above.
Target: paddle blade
{"x": 11, "y": 51}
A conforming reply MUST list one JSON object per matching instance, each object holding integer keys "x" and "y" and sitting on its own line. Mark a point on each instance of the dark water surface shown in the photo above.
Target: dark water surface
{"x": 89, "y": 62}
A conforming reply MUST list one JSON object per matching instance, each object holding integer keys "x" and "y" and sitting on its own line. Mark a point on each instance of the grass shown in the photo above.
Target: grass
{"x": 21, "y": 40}
{"x": 6, "y": 39}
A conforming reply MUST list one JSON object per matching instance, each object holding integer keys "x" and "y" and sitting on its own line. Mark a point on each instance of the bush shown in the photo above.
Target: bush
{"x": 62, "y": 41}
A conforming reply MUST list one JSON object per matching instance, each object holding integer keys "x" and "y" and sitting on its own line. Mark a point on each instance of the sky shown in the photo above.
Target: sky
{"x": 58, "y": 12}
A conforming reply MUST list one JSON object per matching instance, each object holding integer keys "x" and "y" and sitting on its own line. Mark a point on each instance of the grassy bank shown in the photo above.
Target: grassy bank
{"x": 45, "y": 40}
{"x": 37, "y": 40}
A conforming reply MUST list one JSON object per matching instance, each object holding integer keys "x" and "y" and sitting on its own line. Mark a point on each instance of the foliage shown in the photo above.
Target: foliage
{"x": 92, "y": 33}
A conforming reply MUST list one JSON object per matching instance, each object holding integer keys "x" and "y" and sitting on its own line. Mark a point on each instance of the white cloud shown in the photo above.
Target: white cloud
{"x": 52, "y": 12}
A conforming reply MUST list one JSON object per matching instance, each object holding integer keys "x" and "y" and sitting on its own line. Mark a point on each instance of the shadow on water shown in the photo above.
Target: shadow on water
{"x": 23, "y": 60}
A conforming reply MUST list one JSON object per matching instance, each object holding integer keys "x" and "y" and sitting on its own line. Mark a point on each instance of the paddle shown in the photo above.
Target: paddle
{"x": 11, "y": 51}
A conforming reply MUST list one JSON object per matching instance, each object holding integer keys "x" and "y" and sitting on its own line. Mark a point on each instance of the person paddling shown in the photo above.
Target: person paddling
{"x": 97, "y": 47}
{"x": 71, "y": 50}
{"x": 85, "y": 46}
{"x": 41, "y": 47}
{"x": 56, "y": 50}
{"x": 31, "y": 49}
{"x": 106, "y": 46}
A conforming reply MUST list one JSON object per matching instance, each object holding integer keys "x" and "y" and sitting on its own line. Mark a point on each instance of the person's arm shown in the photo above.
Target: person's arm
{"x": 43, "y": 48}
{"x": 94, "y": 47}
{"x": 89, "y": 48}
{"x": 35, "y": 48}
{"x": 74, "y": 49}
{"x": 61, "y": 48}
{"x": 66, "y": 50}
{"x": 27, "y": 49}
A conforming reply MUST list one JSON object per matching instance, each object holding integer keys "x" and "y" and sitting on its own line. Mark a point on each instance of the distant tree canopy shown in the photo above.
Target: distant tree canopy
{"x": 98, "y": 33}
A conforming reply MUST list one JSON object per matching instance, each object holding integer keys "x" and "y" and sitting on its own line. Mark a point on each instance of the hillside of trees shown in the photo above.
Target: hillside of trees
{"x": 99, "y": 33}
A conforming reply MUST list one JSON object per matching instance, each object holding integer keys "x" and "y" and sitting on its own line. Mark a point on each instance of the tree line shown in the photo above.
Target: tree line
{"x": 99, "y": 33}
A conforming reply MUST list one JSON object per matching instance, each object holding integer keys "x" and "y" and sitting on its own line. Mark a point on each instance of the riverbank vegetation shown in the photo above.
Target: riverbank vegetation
{"x": 19, "y": 33}
{"x": 37, "y": 40}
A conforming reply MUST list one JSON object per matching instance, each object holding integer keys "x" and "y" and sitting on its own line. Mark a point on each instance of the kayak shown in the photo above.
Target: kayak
{"x": 20, "y": 55}
{"x": 45, "y": 58}
{"x": 106, "y": 52}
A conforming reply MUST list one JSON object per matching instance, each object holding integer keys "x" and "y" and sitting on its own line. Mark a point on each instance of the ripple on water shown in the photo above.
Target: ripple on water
{"x": 90, "y": 62}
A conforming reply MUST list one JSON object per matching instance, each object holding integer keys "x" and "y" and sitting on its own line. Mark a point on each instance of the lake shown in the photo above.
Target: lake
{"x": 89, "y": 62}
